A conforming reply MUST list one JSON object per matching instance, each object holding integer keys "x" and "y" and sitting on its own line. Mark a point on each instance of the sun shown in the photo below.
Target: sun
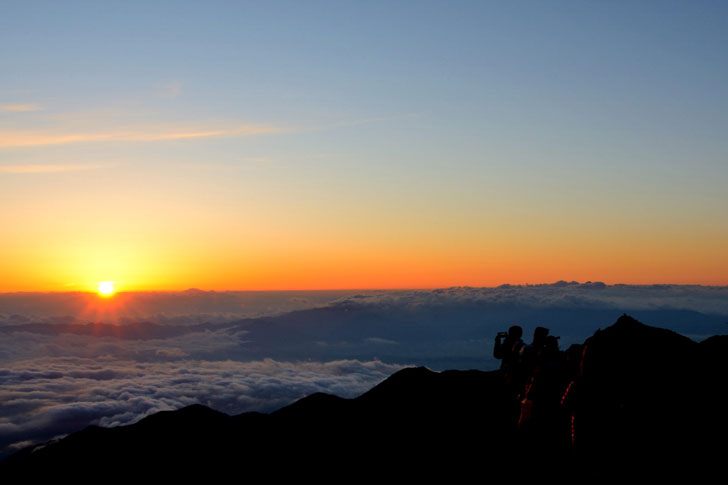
{"x": 106, "y": 288}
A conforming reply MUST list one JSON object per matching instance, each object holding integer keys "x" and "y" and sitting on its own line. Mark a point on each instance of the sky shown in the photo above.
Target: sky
{"x": 337, "y": 145}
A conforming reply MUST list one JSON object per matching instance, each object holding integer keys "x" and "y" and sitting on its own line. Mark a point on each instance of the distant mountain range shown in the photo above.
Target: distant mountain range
{"x": 445, "y": 334}
{"x": 631, "y": 395}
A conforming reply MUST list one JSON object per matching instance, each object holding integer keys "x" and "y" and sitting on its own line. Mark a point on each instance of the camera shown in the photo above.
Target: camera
{"x": 502, "y": 334}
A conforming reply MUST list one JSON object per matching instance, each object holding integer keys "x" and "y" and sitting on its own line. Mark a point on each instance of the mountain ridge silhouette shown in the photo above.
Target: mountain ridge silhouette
{"x": 639, "y": 395}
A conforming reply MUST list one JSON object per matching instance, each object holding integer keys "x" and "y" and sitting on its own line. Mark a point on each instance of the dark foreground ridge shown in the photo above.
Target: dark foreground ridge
{"x": 635, "y": 395}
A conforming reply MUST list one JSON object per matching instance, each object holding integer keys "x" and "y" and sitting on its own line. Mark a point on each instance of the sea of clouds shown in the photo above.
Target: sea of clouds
{"x": 48, "y": 397}
{"x": 64, "y": 364}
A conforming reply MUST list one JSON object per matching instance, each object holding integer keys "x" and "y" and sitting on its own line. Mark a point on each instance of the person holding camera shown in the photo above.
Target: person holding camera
{"x": 508, "y": 346}
{"x": 507, "y": 349}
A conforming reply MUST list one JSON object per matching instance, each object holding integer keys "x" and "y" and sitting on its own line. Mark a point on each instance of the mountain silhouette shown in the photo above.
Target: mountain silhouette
{"x": 631, "y": 395}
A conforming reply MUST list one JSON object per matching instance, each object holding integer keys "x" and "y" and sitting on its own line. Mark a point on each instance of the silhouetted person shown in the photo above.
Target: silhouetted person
{"x": 531, "y": 356}
{"x": 508, "y": 347}
{"x": 541, "y": 419}
{"x": 530, "y": 352}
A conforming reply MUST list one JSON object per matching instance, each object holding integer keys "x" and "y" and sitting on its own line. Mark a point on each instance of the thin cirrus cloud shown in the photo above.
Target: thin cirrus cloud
{"x": 21, "y": 139}
{"x": 172, "y": 90}
{"x": 20, "y": 107}
{"x": 69, "y": 167}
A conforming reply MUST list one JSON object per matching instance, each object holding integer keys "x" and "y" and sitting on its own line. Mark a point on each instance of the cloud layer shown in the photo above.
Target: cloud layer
{"x": 62, "y": 368}
{"x": 706, "y": 299}
{"x": 45, "y": 397}
{"x": 179, "y": 308}
{"x": 196, "y": 306}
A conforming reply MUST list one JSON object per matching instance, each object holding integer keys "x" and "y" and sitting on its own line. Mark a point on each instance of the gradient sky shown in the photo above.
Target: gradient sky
{"x": 310, "y": 145}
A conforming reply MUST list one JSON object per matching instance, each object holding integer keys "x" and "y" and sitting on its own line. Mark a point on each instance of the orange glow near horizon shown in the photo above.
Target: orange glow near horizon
{"x": 176, "y": 248}
{"x": 355, "y": 268}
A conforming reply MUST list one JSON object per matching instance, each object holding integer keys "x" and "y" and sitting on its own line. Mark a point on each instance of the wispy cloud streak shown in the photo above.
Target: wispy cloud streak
{"x": 20, "y": 107}
{"x": 48, "y": 168}
{"x": 19, "y": 139}
{"x": 172, "y": 90}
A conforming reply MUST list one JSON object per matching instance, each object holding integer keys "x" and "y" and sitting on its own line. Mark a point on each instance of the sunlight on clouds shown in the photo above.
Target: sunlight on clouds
{"x": 20, "y": 107}
{"x": 48, "y": 168}
{"x": 17, "y": 139}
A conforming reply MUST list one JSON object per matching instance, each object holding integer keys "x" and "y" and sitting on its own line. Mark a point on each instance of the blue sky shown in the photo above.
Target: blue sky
{"x": 566, "y": 117}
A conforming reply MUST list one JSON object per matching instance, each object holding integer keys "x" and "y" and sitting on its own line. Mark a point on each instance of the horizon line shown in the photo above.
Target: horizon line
{"x": 433, "y": 288}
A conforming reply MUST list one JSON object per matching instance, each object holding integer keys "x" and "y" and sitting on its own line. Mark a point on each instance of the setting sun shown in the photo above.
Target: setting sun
{"x": 106, "y": 288}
